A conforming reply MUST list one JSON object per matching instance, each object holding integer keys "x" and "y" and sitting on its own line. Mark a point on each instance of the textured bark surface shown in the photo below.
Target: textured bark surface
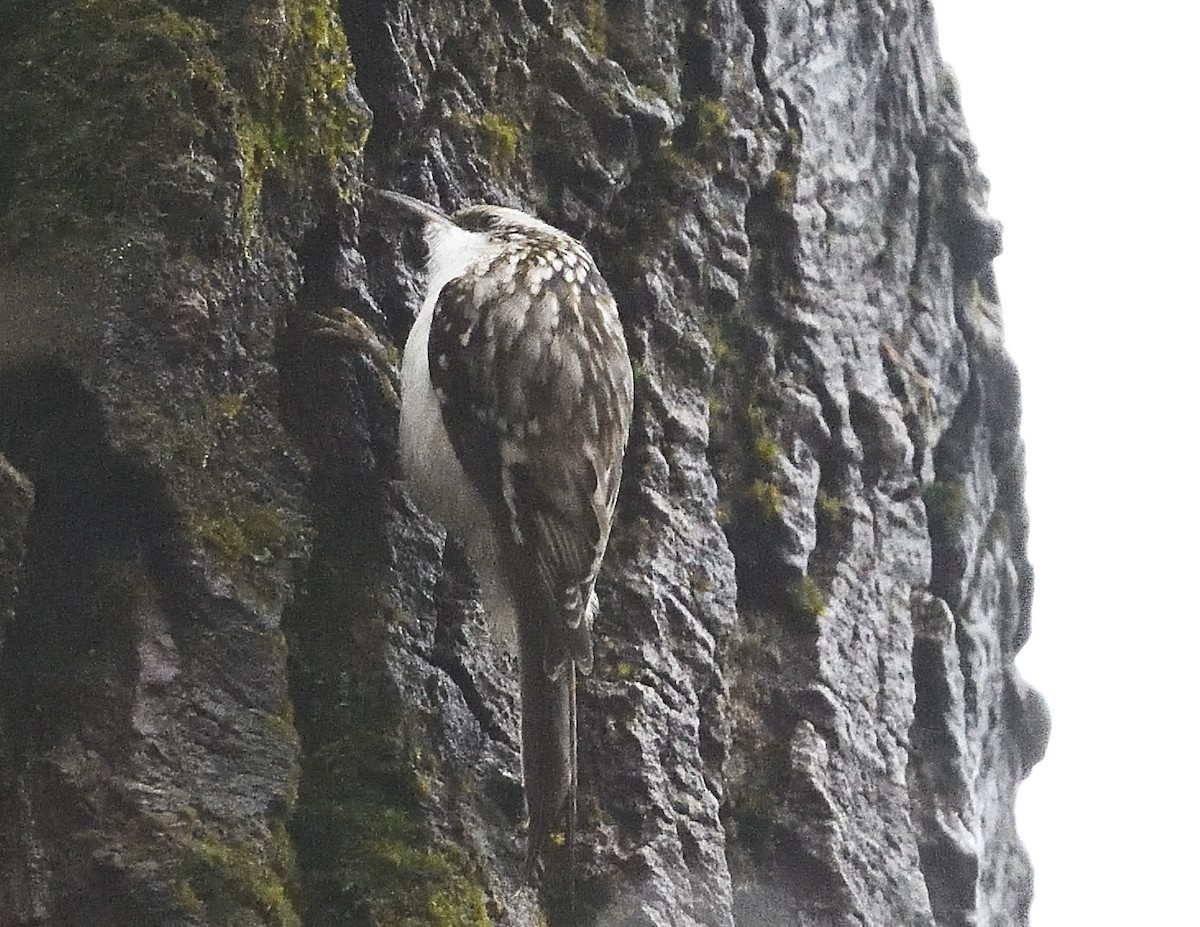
{"x": 243, "y": 681}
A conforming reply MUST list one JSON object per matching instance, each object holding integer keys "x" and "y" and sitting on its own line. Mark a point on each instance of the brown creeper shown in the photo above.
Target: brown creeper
{"x": 515, "y": 395}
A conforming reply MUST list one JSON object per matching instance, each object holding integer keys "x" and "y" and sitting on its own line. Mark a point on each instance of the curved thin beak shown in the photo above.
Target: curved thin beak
{"x": 415, "y": 207}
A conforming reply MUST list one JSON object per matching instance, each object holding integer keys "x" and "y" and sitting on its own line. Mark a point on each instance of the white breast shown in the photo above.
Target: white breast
{"x": 434, "y": 477}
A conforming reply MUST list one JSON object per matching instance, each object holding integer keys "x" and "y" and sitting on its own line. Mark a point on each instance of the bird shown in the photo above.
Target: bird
{"x": 515, "y": 396}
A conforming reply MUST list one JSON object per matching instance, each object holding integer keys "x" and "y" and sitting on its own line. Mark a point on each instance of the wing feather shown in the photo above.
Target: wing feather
{"x": 535, "y": 388}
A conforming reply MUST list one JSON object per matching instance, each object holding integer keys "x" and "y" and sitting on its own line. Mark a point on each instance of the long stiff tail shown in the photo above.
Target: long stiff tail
{"x": 548, "y": 749}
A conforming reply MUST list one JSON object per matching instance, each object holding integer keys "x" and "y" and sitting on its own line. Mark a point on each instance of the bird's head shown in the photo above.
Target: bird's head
{"x": 458, "y": 239}
{"x": 489, "y": 223}
{"x": 501, "y": 222}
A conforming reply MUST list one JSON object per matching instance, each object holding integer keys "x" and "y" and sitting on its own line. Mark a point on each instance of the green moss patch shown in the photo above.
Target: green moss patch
{"x": 704, "y": 134}
{"x": 768, "y": 496}
{"x": 945, "y": 506}
{"x": 294, "y": 116}
{"x": 833, "y": 518}
{"x": 806, "y": 599}
{"x": 781, "y": 187}
{"x": 99, "y": 98}
{"x": 242, "y": 532}
{"x": 497, "y": 135}
{"x": 223, "y": 509}
{"x": 122, "y": 112}
{"x": 399, "y": 877}
{"x": 595, "y": 27}
{"x": 366, "y": 852}
{"x": 233, "y": 883}
{"x": 718, "y": 342}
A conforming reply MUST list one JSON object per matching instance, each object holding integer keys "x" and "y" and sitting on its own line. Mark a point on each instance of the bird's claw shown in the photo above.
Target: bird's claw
{"x": 344, "y": 327}
{"x": 340, "y": 326}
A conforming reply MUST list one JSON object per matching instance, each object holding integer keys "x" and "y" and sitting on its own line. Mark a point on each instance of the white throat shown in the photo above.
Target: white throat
{"x": 434, "y": 475}
{"x": 451, "y": 251}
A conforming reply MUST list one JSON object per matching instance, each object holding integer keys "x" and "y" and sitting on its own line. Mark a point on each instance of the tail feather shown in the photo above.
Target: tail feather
{"x": 573, "y": 788}
{"x": 548, "y": 748}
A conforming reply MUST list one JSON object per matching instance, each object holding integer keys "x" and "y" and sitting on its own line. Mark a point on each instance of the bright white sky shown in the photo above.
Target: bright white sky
{"x": 1085, "y": 115}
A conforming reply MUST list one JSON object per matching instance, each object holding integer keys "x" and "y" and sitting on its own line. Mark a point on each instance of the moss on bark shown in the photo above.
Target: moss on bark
{"x": 126, "y": 113}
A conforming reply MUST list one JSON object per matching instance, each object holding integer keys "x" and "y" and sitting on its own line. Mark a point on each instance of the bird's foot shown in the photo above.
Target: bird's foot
{"x": 339, "y": 326}
{"x": 344, "y": 327}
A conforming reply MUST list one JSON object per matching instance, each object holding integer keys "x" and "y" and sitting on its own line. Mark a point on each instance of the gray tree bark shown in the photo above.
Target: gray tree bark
{"x": 243, "y": 681}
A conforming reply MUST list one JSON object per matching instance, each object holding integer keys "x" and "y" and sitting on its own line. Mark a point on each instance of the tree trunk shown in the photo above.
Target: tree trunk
{"x": 243, "y": 681}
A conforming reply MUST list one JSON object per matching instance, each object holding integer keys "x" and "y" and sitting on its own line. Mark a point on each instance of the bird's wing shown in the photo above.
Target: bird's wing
{"x": 535, "y": 388}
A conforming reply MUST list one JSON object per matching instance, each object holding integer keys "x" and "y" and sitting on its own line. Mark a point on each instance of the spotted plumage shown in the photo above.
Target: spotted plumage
{"x": 516, "y": 397}
{"x": 535, "y": 416}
